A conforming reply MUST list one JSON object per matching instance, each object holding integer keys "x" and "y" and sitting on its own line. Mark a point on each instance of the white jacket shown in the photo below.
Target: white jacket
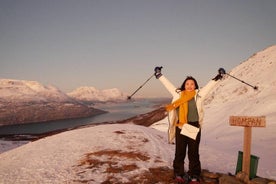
{"x": 172, "y": 115}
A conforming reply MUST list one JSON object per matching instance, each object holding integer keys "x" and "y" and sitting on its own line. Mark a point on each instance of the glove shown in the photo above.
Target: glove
{"x": 218, "y": 77}
{"x": 220, "y": 74}
{"x": 157, "y": 71}
{"x": 221, "y": 71}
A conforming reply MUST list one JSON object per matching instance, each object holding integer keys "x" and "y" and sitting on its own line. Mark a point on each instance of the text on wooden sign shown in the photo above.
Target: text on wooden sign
{"x": 247, "y": 121}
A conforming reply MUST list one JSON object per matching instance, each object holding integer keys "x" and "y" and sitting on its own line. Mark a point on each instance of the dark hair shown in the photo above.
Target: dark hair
{"x": 182, "y": 88}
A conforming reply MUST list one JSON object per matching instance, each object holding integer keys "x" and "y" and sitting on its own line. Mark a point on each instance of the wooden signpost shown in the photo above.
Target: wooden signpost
{"x": 247, "y": 122}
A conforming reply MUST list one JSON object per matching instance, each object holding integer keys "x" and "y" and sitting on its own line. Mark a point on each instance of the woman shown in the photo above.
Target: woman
{"x": 186, "y": 108}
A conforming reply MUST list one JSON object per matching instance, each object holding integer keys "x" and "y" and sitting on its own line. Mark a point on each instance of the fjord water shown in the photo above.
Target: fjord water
{"x": 116, "y": 111}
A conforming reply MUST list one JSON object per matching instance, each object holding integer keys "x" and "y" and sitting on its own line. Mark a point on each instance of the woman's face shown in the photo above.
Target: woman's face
{"x": 189, "y": 85}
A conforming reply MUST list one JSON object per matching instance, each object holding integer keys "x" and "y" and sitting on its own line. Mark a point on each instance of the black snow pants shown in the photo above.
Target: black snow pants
{"x": 183, "y": 142}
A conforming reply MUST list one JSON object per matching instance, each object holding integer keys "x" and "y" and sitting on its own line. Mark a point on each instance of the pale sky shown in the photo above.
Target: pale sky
{"x": 117, "y": 43}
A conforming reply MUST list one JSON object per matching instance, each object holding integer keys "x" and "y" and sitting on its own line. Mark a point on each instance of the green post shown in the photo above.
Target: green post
{"x": 253, "y": 164}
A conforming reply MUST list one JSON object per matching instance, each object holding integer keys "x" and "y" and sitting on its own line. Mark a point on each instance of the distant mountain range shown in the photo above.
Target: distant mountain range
{"x": 29, "y": 101}
{"x": 91, "y": 94}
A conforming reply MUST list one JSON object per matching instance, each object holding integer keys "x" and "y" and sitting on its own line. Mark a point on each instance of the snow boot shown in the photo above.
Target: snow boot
{"x": 194, "y": 180}
{"x": 182, "y": 179}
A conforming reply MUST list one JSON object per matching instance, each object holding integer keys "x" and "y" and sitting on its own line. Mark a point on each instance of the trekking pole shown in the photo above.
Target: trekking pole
{"x": 129, "y": 97}
{"x": 222, "y": 71}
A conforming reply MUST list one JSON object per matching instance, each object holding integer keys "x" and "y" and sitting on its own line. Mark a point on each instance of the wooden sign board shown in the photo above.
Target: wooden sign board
{"x": 247, "y": 121}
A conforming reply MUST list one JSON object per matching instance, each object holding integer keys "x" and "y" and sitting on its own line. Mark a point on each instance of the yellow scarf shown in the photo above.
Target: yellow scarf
{"x": 182, "y": 103}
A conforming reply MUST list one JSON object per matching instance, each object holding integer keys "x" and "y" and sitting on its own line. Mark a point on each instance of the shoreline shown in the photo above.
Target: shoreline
{"x": 146, "y": 119}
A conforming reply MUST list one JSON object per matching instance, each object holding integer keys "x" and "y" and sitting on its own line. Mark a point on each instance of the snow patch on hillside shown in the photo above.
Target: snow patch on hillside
{"x": 92, "y": 94}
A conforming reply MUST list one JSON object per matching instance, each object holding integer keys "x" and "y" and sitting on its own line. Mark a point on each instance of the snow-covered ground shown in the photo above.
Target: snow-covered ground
{"x": 63, "y": 158}
{"x": 87, "y": 154}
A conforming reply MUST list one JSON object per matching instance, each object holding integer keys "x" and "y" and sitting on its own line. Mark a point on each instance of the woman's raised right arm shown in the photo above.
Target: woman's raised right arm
{"x": 168, "y": 85}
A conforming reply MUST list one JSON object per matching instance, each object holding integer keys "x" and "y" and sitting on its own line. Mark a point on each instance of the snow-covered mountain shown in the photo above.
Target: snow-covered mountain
{"x": 29, "y": 101}
{"x": 92, "y": 94}
{"x": 24, "y": 101}
{"x": 233, "y": 98}
{"x": 25, "y": 91}
{"x": 259, "y": 70}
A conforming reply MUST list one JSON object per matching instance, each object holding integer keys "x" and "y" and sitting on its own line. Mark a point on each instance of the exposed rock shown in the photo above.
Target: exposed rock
{"x": 243, "y": 177}
{"x": 225, "y": 179}
{"x": 259, "y": 181}
{"x": 208, "y": 177}
{"x": 148, "y": 118}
